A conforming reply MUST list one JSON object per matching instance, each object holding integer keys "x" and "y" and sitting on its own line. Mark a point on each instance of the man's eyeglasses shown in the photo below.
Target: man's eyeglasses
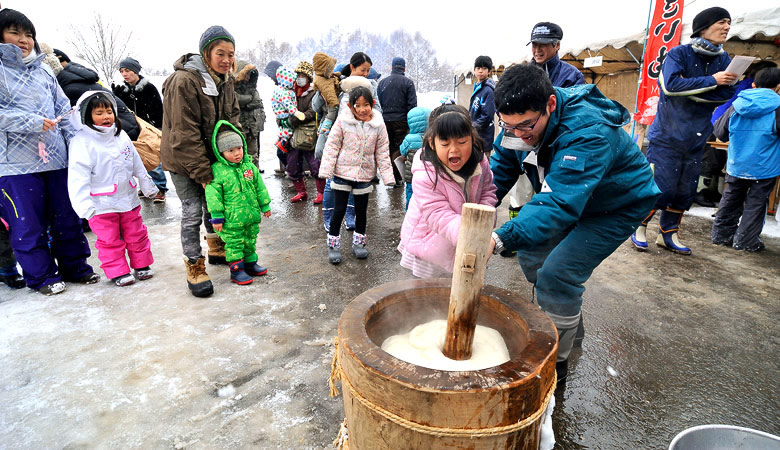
{"x": 521, "y": 127}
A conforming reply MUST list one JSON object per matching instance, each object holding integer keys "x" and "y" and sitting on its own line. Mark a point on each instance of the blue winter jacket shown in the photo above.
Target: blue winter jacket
{"x": 483, "y": 110}
{"x": 418, "y": 124}
{"x": 751, "y": 127}
{"x": 28, "y": 93}
{"x": 562, "y": 74}
{"x": 397, "y": 95}
{"x": 746, "y": 83}
{"x": 591, "y": 168}
{"x": 689, "y": 94}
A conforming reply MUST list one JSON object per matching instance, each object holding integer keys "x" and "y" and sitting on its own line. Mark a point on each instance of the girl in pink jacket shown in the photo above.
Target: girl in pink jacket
{"x": 357, "y": 147}
{"x": 451, "y": 170}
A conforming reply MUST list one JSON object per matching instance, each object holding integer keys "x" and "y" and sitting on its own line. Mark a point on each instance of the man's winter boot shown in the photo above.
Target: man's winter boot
{"x": 300, "y": 186}
{"x": 334, "y": 249}
{"x": 216, "y": 249}
{"x": 197, "y": 279}
{"x": 639, "y": 238}
{"x": 320, "y": 190}
{"x": 359, "y": 246}
{"x": 254, "y": 269}
{"x": 668, "y": 236}
{"x": 237, "y": 274}
{"x": 567, "y": 330}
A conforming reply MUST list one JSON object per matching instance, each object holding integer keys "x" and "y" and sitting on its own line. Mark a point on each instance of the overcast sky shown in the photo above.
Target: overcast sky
{"x": 164, "y": 30}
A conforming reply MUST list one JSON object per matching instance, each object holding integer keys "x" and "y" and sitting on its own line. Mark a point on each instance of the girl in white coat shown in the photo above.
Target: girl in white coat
{"x": 103, "y": 166}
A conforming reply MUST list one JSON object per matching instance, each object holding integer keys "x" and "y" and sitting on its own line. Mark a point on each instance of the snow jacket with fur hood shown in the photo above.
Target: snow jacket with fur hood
{"x": 194, "y": 100}
{"x": 432, "y": 222}
{"x": 355, "y": 149}
{"x": 252, "y": 111}
{"x": 142, "y": 98}
{"x": 324, "y": 80}
{"x": 28, "y": 93}
{"x": 237, "y": 193}
{"x": 103, "y": 167}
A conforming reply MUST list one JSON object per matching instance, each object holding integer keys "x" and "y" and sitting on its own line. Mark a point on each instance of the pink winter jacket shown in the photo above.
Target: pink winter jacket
{"x": 432, "y": 222}
{"x": 355, "y": 149}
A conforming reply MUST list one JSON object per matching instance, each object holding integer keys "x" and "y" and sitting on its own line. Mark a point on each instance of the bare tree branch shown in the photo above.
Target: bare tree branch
{"x": 102, "y": 47}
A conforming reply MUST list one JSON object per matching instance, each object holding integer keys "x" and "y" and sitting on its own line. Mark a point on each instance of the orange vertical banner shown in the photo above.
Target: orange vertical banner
{"x": 663, "y": 34}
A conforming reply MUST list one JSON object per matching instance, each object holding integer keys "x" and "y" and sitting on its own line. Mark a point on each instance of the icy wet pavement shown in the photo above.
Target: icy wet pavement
{"x": 691, "y": 340}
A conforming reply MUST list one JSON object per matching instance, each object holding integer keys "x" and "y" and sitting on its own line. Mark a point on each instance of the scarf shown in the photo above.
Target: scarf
{"x": 29, "y": 58}
{"x": 299, "y": 91}
{"x": 705, "y": 47}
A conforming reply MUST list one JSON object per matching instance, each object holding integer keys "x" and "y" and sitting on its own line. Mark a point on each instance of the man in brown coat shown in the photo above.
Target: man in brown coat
{"x": 199, "y": 93}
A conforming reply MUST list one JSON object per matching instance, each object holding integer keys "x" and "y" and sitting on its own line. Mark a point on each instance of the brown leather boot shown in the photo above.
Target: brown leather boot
{"x": 197, "y": 279}
{"x": 216, "y": 249}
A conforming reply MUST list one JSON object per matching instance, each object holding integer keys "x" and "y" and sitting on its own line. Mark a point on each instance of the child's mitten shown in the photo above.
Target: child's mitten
{"x": 299, "y": 115}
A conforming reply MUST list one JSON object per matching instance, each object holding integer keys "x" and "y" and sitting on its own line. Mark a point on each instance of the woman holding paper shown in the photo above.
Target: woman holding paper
{"x": 693, "y": 81}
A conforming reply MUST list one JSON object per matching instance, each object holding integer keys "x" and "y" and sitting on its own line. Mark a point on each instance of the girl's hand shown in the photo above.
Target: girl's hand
{"x": 204, "y": 185}
{"x": 217, "y": 227}
{"x": 48, "y": 125}
{"x": 267, "y": 214}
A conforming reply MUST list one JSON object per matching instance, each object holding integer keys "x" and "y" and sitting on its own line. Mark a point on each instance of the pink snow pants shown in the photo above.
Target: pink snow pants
{"x": 119, "y": 231}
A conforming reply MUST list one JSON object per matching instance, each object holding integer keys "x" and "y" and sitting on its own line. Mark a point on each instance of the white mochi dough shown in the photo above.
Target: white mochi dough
{"x": 423, "y": 347}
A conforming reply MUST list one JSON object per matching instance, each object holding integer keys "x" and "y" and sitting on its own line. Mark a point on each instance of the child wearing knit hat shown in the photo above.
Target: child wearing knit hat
{"x": 236, "y": 197}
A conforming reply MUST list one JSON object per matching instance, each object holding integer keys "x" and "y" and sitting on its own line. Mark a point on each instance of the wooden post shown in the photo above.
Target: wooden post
{"x": 468, "y": 274}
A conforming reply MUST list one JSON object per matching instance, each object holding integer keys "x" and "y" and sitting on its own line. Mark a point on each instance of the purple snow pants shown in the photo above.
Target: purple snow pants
{"x": 36, "y": 207}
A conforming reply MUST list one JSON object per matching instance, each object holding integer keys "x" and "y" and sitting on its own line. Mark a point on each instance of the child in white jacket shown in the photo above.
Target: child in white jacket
{"x": 102, "y": 167}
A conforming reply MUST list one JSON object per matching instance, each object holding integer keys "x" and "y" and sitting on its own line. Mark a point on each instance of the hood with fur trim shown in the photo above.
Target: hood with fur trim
{"x": 323, "y": 64}
{"x": 79, "y": 115}
{"x": 245, "y": 72}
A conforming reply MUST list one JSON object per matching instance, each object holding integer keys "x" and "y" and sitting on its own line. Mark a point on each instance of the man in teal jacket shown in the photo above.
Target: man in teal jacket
{"x": 592, "y": 186}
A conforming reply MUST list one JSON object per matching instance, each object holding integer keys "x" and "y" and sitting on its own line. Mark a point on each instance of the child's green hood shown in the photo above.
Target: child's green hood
{"x": 217, "y": 154}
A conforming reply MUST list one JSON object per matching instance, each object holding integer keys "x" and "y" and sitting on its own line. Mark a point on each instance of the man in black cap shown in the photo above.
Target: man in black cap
{"x": 397, "y": 96}
{"x": 545, "y": 42}
{"x": 693, "y": 81}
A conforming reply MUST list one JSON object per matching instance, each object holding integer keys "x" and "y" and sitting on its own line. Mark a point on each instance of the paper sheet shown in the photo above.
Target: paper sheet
{"x": 739, "y": 65}
{"x": 399, "y": 164}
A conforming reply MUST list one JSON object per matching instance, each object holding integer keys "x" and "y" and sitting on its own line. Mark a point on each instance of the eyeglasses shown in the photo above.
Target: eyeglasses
{"x": 521, "y": 127}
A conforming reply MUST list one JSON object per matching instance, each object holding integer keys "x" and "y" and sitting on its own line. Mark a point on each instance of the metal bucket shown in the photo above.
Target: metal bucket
{"x": 723, "y": 437}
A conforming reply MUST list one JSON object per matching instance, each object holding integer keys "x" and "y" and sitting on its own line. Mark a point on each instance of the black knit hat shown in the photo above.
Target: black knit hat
{"x": 483, "y": 61}
{"x": 704, "y": 19}
{"x": 130, "y": 64}
{"x": 61, "y": 55}
{"x": 213, "y": 33}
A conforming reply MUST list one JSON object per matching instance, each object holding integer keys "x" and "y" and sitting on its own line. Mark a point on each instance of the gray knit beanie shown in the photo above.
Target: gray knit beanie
{"x": 228, "y": 139}
{"x": 130, "y": 64}
{"x": 213, "y": 33}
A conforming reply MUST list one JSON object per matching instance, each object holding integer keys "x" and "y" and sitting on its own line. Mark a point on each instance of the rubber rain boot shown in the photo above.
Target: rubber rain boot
{"x": 639, "y": 238}
{"x": 216, "y": 249}
{"x": 334, "y": 249}
{"x": 359, "y": 246}
{"x": 300, "y": 187}
{"x": 254, "y": 269}
{"x": 197, "y": 279}
{"x": 237, "y": 274}
{"x": 668, "y": 232}
{"x": 320, "y": 183}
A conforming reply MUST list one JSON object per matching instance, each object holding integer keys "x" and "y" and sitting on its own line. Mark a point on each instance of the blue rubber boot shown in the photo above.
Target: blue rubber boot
{"x": 255, "y": 269}
{"x": 237, "y": 273}
{"x": 668, "y": 232}
{"x": 639, "y": 238}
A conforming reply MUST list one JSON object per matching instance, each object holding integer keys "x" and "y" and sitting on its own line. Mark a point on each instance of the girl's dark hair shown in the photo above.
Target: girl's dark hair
{"x": 451, "y": 122}
{"x": 358, "y": 92}
{"x": 101, "y": 100}
{"x": 358, "y": 59}
{"x": 768, "y": 78}
{"x": 13, "y": 18}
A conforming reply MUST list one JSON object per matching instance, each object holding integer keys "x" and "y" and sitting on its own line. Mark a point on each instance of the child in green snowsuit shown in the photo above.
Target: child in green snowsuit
{"x": 235, "y": 199}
